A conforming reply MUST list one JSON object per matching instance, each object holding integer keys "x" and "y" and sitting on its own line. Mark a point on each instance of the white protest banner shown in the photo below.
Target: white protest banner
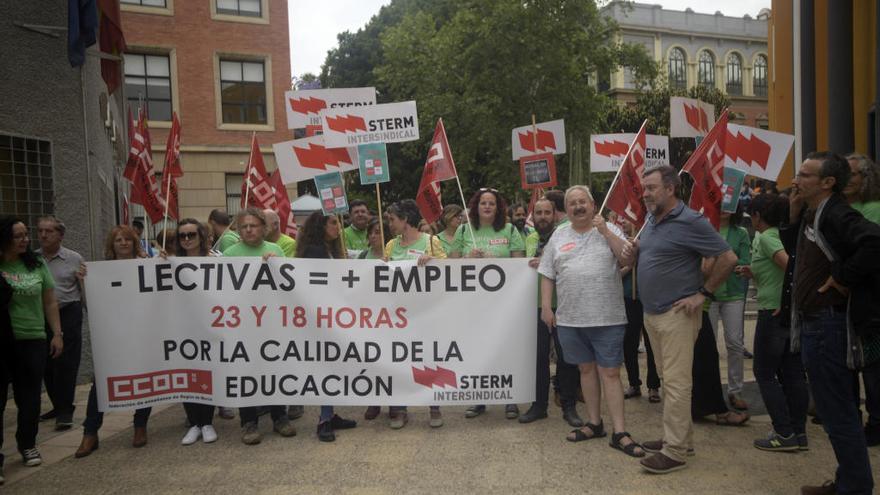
{"x": 303, "y": 107}
{"x": 757, "y": 152}
{"x": 608, "y": 150}
{"x": 550, "y": 139}
{"x": 690, "y": 117}
{"x": 243, "y": 332}
{"x": 388, "y": 123}
{"x": 303, "y": 159}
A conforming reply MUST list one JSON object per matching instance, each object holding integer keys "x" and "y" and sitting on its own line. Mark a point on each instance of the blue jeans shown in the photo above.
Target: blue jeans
{"x": 780, "y": 376}
{"x": 824, "y": 346}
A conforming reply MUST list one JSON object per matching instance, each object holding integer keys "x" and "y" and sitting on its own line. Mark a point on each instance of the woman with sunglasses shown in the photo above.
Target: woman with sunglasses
{"x": 192, "y": 240}
{"x": 448, "y": 224}
{"x": 495, "y": 238}
{"x": 122, "y": 243}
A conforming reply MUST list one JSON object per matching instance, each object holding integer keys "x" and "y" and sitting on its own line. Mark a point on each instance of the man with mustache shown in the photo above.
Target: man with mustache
{"x": 582, "y": 259}
{"x": 673, "y": 243}
{"x": 544, "y": 217}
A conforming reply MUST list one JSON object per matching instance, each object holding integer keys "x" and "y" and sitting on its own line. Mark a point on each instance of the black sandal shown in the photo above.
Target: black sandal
{"x": 596, "y": 431}
{"x": 629, "y": 449}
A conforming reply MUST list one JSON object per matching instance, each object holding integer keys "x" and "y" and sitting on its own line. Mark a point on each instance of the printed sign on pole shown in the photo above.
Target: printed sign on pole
{"x": 303, "y": 107}
{"x": 302, "y": 159}
{"x": 388, "y": 123}
{"x": 730, "y": 189}
{"x": 757, "y": 152}
{"x": 689, "y": 117}
{"x": 550, "y": 139}
{"x": 331, "y": 191}
{"x": 373, "y": 162}
{"x": 537, "y": 171}
{"x": 608, "y": 150}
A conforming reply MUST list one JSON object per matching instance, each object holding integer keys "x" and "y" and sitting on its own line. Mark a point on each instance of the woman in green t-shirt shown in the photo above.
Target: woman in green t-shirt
{"x": 779, "y": 373}
{"x": 495, "y": 237}
{"x": 32, "y": 304}
{"x": 862, "y": 191}
{"x": 375, "y": 241}
{"x": 448, "y": 224}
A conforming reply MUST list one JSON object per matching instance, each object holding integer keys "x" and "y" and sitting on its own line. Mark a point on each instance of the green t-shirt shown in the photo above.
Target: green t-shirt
{"x": 26, "y": 306}
{"x": 497, "y": 244}
{"x": 242, "y": 249}
{"x": 869, "y": 210}
{"x": 288, "y": 245}
{"x": 227, "y": 240}
{"x": 445, "y": 243}
{"x": 532, "y": 240}
{"x": 368, "y": 254}
{"x": 395, "y": 252}
{"x": 734, "y": 288}
{"x": 356, "y": 240}
{"x": 768, "y": 276}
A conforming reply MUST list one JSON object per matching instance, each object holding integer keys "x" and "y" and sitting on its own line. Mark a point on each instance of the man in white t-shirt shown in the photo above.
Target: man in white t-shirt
{"x": 582, "y": 260}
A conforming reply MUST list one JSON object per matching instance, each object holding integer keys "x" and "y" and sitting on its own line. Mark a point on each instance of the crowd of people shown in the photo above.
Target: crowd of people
{"x": 606, "y": 288}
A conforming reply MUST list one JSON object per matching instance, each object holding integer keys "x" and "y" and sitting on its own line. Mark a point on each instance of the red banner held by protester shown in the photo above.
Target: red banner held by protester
{"x": 625, "y": 196}
{"x": 282, "y": 204}
{"x": 255, "y": 188}
{"x": 172, "y": 169}
{"x": 144, "y": 188}
{"x": 706, "y": 167}
{"x": 438, "y": 167}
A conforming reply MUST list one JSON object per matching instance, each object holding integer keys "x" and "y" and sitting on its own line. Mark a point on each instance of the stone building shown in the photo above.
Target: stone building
{"x": 728, "y": 53}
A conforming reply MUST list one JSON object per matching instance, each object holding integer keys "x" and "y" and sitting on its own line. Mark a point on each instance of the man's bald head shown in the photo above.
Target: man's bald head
{"x": 273, "y": 225}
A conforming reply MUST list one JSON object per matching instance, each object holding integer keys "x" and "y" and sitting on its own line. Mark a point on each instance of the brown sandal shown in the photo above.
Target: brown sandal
{"x": 732, "y": 418}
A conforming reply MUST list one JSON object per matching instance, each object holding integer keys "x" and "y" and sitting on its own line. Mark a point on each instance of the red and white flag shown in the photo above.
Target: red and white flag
{"x": 145, "y": 188}
{"x": 438, "y": 167}
{"x": 126, "y": 210}
{"x": 172, "y": 169}
{"x": 706, "y": 166}
{"x": 282, "y": 205}
{"x": 625, "y": 196}
{"x": 131, "y": 164}
{"x": 303, "y": 159}
{"x": 689, "y": 117}
{"x": 757, "y": 152}
{"x": 256, "y": 190}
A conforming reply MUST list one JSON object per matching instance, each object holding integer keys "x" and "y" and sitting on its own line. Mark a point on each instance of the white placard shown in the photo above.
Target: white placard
{"x": 690, "y": 117}
{"x": 388, "y": 123}
{"x": 242, "y": 332}
{"x": 550, "y": 139}
{"x": 608, "y": 150}
{"x": 304, "y": 107}
{"x": 303, "y": 159}
{"x": 757, "y": 152}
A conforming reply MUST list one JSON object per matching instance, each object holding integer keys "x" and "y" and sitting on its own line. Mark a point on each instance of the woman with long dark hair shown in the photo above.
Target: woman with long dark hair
{"x": 320, "y": 237}
{"x": 122, "y": 243}
{"x": 32, "y": 304}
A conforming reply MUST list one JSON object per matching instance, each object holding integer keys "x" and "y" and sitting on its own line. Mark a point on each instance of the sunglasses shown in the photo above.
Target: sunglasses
{"x": 488, "y": 189}
{"x": 187, "y": 235}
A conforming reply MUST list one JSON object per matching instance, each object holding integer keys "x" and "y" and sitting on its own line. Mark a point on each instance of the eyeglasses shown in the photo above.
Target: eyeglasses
{"x": 187, "y": 235}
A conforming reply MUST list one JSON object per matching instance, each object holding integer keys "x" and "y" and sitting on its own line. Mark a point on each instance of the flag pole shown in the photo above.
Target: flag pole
{"x": 247, "y": 171}
{"x": 534, "y": 134}
{"x": 379, "y": 212}
{"x": 166, "y": 177}
{"x": 617, "y": 175}
{"x": 342, "y": 235}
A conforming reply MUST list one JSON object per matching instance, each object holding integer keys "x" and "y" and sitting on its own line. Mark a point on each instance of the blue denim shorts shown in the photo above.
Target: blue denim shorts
{"x": 602, "y": 345}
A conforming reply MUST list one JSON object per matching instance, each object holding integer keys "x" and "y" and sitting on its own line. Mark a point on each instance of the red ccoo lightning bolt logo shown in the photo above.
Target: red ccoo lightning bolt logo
{"x": 751, "y": 150}
{"x": 696, "y": 117}
{"x": 307, "y": 105}
{"x": 546, "y": 141}
{"x": 346, "y": 123}
{"x": 319, "y": 157}
{"x": 611, "y": 148}
{"x": 440, "y": 377}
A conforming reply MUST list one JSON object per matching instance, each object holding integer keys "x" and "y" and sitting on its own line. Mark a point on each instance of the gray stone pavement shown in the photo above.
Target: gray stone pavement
{"x": 488, "y": 454}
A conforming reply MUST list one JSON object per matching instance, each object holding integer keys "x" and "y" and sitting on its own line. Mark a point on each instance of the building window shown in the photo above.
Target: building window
{"x": 243, "y": 92}
{"x": 734, "y": 75}
{"x": 233, "y": 193}
{"x": 246, "y": 8}
{"x": 677, "y": 74}
{"x": 26, "y": 189}
{"x": 148, "y": 79}
{"x": 760, "y": 79}
{"x": 146, "y": 3}
{"x": 706, "y": 70}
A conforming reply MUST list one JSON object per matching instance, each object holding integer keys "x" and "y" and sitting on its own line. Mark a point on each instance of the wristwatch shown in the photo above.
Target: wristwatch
{"x": 706, "y": 292}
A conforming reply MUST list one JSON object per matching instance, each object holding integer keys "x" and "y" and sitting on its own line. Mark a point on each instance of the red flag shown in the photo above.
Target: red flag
{"x": 255, "y": 186}
{"x": 438, "y": 167}
{"x": 172, "y": 169}
{"x": 282, "y": 205}
{"x": 126, "y": 210}
{"x": 112, "y": 41}
{"x": 145, "y": 189}
{"x": 625, "y": 196}
{"x": 706, "y": 166}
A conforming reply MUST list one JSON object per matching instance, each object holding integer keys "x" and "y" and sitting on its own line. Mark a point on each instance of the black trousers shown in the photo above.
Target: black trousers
{"x": 95, "y": 418}
{"x": 567, "y": 375}
{"x": 249, "y": 414}
{"x": 708, "y": 396}
{"x": 61, "y": 372}
{"x": 635, "y": 328}
{"x": 199, "y": 414}
{"x": 24, "y": 362}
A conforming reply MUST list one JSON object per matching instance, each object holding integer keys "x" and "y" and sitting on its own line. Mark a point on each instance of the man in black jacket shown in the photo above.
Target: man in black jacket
{"x": 833, "y": 306}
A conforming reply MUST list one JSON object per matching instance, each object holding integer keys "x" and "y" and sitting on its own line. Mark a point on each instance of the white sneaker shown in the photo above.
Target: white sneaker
{"x": 209, "y": 434}
{"x": 192, "y": 436}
